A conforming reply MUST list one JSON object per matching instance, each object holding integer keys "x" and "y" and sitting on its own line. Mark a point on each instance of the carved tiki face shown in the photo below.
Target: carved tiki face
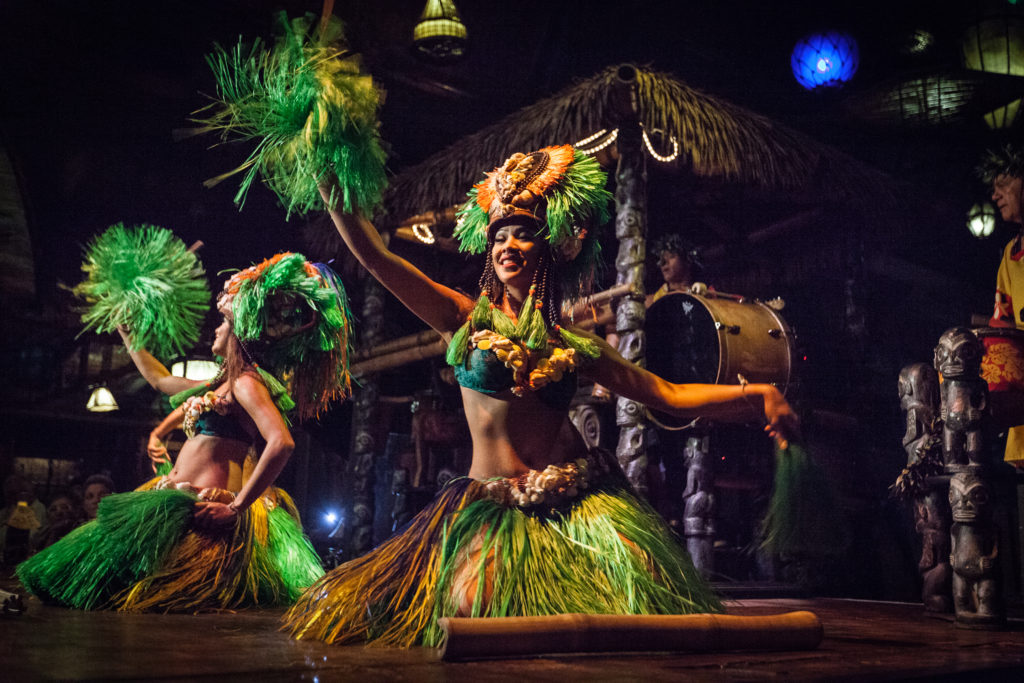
{"x": 959, "y": 353}
{"x": 969, "y": 498}
{"x": 918, "y": 385}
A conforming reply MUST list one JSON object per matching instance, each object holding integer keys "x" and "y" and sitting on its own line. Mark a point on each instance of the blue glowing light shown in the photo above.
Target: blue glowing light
{"x": 330, "y": 517}
{"x": 825, "y": 59}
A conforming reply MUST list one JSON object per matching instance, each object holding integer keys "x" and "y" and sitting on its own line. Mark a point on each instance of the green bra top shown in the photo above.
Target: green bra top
{"x": 227, "y": 426}
{"x": 483, "y": 372}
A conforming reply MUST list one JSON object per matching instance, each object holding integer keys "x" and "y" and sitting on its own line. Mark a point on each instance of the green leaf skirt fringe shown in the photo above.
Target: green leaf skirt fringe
{"x": 606, "y": 552}
{"x": 141, "y": 554}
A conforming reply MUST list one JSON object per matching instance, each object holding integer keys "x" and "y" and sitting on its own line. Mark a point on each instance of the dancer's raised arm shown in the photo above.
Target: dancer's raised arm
{"x": 441, "y": 307}
{"x": 152, "y": 370}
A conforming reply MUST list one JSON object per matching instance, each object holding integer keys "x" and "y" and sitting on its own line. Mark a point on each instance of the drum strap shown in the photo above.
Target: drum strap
{"x": 661, "y": 425}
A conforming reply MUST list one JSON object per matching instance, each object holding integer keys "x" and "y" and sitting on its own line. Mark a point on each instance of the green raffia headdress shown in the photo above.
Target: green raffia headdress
{"x": 1009, "y": 160}
{"x": 560, "y": 188}
{"x": 291, "y": 318}
{"x": 146, "y": 279}
{"x": 563, "y": 192}
{"x": 311, "y": 111}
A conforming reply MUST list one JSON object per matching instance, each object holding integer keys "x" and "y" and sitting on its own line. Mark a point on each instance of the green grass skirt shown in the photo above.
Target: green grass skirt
{"x": 141, "y": 554}
{"x": 606, "y": 552}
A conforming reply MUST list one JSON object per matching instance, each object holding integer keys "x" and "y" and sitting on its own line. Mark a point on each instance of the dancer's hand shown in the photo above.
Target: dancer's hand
{"x": 214, "y": 516}
{"x": 157, "y": 451}
{"x": 783, "y": 424}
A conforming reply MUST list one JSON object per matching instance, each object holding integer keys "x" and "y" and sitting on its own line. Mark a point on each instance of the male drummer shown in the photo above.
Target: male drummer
{"x": 679, "y": 261}
{"x": 1004, "y": 168}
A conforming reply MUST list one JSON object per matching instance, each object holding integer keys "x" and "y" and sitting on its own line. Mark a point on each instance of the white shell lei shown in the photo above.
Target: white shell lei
{"x": 195, "y": 406}
{"x": 550, "y": 487}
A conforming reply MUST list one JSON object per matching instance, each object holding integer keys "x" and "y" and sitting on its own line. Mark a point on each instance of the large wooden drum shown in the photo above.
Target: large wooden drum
{"x": 713, "y": 340}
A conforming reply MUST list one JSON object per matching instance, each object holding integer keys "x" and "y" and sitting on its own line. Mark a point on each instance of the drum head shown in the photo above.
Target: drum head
{"x": 682, "y": 340}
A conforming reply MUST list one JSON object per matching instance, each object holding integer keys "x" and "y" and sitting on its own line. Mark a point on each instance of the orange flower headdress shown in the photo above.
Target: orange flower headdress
{"x": 558, "y": 187}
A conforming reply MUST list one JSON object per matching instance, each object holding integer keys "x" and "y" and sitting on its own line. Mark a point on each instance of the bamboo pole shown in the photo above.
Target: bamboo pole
{"x": 418, "y": 339}
{"x": 398, "y": 358}
{"x": 479, "y": 638}
{"x": 429, "y": 344}
{"x": 581, "y": 308}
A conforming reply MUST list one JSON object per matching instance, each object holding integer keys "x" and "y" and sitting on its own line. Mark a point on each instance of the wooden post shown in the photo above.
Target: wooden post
{"x": 364, "y": 417}
{"x": 631, "y": 231}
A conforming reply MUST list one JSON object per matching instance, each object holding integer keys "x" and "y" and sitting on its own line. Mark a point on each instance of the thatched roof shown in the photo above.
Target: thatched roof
{"x": 718, "y": 139}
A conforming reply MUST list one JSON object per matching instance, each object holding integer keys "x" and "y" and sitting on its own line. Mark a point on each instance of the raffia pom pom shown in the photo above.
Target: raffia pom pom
{"x": 310, "y": 110}
{"x": 144, "y": 278}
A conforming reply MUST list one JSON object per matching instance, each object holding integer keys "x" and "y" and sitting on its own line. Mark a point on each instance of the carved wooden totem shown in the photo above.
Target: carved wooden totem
{"x": 364, "y": 417}
{"x": 922, "y": 481}
{"x": 964, "y": 397}
{"x": 699, "y": 503}
{"x": 974, "y": 554}
{"x": 630, "y": 229}
{"x": 974, "y": 550}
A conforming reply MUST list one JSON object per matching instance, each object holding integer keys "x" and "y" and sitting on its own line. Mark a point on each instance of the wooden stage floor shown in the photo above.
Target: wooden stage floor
{"x": 864, "y": 641}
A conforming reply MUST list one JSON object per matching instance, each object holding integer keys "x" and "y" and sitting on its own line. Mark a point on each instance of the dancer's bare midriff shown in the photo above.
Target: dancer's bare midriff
{"x": 512, "y": 434}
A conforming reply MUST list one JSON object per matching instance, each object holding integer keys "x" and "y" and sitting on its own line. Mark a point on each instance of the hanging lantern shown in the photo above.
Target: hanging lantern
{"x": 440, "y": 34}
{"x": 101, "y": 401}
{"x": 825, "y": 60}
{"x": 927, "y": 99}
{"x": 195, "y": 368}
{"x": 918, "y": 42}
{"x": 981, "y": 219}
{"x": 996, "y": 45}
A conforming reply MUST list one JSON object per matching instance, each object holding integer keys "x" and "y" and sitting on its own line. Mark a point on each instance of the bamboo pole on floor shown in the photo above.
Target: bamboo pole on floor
{"x": 476, "y": 638}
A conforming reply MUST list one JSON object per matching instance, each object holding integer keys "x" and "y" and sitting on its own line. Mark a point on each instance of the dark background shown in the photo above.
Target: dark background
{"x": 92, "y": 93}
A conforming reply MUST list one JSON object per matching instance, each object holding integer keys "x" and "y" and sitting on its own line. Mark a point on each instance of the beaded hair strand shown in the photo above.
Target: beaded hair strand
{"x": 489, "y": 281}
{"x": 549, "y": 297}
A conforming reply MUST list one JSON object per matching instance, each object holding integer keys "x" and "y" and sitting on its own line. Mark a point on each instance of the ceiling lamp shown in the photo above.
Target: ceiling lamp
{"x": 195, "y": 368}
{"x": 825, "y": 60}
{"x": 981, "y": 219}
{"x": 101, "y": 401}
{"x": 918, "y": 42}
{"x": 996, "y": 45}
{"x": 440, "y": 34}
{"x": 930, "y": 99}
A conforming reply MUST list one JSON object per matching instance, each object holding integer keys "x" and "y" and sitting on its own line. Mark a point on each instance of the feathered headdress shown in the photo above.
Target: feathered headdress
{"x": 146, "y": 279}
{"x": 1009, "y": 160}
{"x": 311, "y": 110}
{"x": 292, "y": 317}
{"x": 562, "y": 190}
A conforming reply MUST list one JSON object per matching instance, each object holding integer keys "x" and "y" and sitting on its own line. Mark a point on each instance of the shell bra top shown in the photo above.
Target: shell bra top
{"x": 227, "y": 426}
{"x": 483, "y": 372}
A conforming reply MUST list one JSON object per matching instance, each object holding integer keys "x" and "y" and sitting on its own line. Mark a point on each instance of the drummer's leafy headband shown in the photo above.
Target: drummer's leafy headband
{"x": 677, "y": 244}
{"x": 1009, "y": 160}
{"x": 559, "y": 188}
